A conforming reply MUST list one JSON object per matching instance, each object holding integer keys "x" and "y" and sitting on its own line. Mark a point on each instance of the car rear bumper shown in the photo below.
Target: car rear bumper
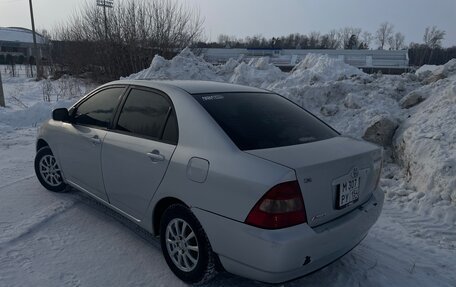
{"x": 275, "y": 256}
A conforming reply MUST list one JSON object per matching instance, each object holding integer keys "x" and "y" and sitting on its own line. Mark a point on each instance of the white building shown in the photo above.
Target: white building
{"x": 369, "y": 60}
{"x": 17, "y": 42}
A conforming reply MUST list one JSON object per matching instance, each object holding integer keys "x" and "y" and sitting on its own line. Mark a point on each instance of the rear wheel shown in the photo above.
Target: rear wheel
{"x": 48, "y": 171}
{"x": 185, "y": 246}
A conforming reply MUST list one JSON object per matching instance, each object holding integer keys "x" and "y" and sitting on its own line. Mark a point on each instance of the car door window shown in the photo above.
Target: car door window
{"x": 99, "y": 108}
{"x": 145, "y": 114}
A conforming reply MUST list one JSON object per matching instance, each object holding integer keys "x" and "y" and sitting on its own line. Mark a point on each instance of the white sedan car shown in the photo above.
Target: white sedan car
{"x": 230, "y": 177}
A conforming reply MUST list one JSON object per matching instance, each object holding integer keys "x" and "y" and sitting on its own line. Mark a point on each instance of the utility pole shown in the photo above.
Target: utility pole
{"x": 2, "y": 96}
{"x": 105, "y": 4}
{"x": 39, "y": 70}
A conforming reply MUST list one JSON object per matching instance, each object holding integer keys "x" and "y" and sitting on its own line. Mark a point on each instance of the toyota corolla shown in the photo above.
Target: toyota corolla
{"x": 227, "y": 176}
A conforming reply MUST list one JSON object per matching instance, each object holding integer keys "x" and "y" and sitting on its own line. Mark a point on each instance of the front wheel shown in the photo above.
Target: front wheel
{"x": 48, "y": 171}
{"x": 185, "y": 246}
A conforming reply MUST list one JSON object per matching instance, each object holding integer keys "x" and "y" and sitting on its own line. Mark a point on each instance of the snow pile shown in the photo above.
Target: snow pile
{"x": 25, "y": 106}
{"x": 425, "y": 143}
{"x": 258, "y": 72}
{"x": 315, "y": 67}
{"x": 346, "y": 98}
{"x": 445, "y": 70}
{"x": 31, "y": 116}
{"x": 184, "y": 66}
{"x": 187, "y": 66}
{"x": 426, "y": 70}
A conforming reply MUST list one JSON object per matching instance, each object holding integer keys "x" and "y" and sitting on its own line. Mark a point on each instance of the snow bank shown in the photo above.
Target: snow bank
{"x": 316, "y": 67}
{"x": 187, "y": 66}
{"x": 184, "y": 66}
{"x": 425, "y": 143}
{"x": 441, "y": 71}
{"x": 426, "y": 70}
{"x": 31, "y": 116}
{"x": 258, "y": 72}
{"x": 25, "y": 106}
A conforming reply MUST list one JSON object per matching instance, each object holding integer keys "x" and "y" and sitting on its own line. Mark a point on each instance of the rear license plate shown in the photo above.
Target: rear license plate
{"x": 348, "y": 192}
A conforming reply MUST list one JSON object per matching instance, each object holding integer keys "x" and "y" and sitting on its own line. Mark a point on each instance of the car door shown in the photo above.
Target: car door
{"x": 81, "y": 141}
{"x": 136, "y": 153}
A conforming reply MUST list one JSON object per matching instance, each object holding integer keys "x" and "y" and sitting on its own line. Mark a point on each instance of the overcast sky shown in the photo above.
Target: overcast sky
{"x": 274, "y": 17}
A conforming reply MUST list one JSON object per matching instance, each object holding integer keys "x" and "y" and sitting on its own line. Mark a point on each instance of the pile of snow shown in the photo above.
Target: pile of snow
{"x": 185, "y": 66}
{"x": 425, "y": 143}
{"x": 258, "y": 72}
{"x": 446, "y": 70}
{"x": 316, "y": 67}
{"x": 31, "y": 116}
{"x": 25, "y": 106}
{"x": 426, "y": 70}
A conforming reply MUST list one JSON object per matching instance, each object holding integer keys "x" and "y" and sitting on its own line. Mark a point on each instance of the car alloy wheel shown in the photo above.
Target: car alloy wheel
{"x": 50, "y": 171}
{"x": 185, "y": 245}
{"x": 182, "y": 244}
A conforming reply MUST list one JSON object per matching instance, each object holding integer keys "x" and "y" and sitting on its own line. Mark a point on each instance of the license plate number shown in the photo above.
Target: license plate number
{"x": 348, "y": 192}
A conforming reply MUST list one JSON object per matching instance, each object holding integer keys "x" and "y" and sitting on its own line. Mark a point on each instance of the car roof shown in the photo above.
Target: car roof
{"x": 192, "y": 86}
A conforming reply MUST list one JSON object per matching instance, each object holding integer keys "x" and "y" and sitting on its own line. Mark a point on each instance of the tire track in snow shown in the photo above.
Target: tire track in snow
{"x": 11, "y": 233}
{"x": 17, "y": 181}
{"x": 423, "y": 226}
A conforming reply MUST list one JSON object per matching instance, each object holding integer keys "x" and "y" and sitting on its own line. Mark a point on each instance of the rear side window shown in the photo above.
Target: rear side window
{"x": 144, "y": 113}
{"x": 99, "y": 108}
{"x": 263, "y": 120}
{"x": 170, "y": 134}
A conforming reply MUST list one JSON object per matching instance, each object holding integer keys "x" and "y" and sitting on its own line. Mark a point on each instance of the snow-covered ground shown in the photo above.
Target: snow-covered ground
{"x": 49, "y": 239}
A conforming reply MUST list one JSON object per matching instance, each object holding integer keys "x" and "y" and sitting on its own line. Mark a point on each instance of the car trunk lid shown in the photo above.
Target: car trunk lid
{"x": 335, "y": 175}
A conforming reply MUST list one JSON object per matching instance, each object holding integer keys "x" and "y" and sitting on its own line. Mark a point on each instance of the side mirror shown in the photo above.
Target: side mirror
{"x": 61, "y": 115}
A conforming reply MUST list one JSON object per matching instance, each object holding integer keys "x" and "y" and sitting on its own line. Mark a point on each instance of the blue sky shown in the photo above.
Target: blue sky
{"x": 275, "y": 17}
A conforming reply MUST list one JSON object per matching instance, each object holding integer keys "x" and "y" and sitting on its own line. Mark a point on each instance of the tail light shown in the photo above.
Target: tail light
{"x": 282, "y": 206}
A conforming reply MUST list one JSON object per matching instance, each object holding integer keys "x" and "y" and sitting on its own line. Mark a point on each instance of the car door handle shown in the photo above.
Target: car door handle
{"x": 155, "y": 156}
{"x": 95, "y": 140}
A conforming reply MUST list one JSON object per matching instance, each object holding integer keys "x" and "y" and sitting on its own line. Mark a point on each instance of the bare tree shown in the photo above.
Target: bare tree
{"x": 366, "y": 38}
{"x": 314, "y": 40}
{"x": 396, "y": 42}
{"x": 384, "y": 32}
{"x": 346, "y": 33}
{"x": 433, "y": 37}
{"x": 136, "y": 30}
{"x": 333, "y": 42}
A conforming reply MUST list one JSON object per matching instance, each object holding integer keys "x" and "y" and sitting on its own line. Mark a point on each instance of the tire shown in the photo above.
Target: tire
{"x": 203, "y": 268}
{"x": 48, "y": 172}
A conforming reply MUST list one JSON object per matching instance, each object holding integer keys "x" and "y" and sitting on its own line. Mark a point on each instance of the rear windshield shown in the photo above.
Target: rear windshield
{"x": 263, "y": 120}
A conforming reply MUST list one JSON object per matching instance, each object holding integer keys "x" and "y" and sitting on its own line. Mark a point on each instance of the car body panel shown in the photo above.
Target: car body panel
{"x": 275, "y": 256}
{"x": 234, "y": 184}
{"x": 130, "y": 176}
{"x": 82, "y": 165}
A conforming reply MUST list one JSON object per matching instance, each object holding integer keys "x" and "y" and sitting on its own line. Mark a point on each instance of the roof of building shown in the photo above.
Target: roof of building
{"x": 21, "y": 35}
